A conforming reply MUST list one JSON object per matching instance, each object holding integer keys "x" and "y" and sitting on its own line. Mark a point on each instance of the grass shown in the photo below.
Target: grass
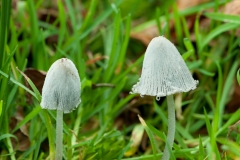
{"x": 96, "y": 36}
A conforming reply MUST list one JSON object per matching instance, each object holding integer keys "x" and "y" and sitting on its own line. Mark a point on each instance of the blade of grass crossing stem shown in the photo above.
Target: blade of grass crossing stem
{"x": 215, "y": 32}
{"x": 151, "y": 137}
{"x": 201, "y": 149}
{"x": 125, "y": 42}
{"x": 114, "y": 54}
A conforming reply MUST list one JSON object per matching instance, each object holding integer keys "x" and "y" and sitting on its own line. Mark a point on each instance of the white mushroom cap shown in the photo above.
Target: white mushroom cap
{"x": 164, "y": 71}
{"x": 61, "y": 89}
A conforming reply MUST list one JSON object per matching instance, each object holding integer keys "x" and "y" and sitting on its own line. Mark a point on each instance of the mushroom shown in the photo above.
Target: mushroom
{"x": 164, "y": 73}
{"x": 61, "y": 92}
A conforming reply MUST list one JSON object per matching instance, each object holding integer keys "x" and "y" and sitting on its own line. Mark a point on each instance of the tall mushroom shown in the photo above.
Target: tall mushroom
{"x": 164, "y": 73}
{"x": 61, "y": 92}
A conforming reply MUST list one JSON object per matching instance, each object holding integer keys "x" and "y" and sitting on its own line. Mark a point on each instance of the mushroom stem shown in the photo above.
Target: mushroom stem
{"x": 59, "y": 134}
{"x": 171, "y": 128}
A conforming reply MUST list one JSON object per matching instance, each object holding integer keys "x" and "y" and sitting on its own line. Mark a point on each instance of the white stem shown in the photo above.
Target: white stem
{"x": 171, "y": 127}
{"x": 59, "y": 135}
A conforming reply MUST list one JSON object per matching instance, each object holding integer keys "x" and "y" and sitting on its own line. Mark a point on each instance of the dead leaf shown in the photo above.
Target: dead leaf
{"x": 184, "y": 4}
{"x": 23, "y": 142}
{"x": 136, "y": 138}
{"x": 232, "y": 8}
{"x": 234, "y": 103}
{"x": 135, "y": 107}
{"x": 146, "y": 35}
{"x": 37, "y": 77}
{"x": 93, "y": 59}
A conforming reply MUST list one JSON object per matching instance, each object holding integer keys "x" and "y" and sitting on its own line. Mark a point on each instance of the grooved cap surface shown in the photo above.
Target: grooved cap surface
{"x": 164, "y": 71}
{"x": 61, "y": 89}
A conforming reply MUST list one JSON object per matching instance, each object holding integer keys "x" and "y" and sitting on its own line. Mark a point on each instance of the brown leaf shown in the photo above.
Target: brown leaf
{"x": 23, "y": 142}
{"x": 37, "y": 77}
{"x": 135, "y": 107}
{"x": 234, "y": 103}
{"x": 232, "y": 7}
{"x": 146, "y": 35}
{"x": 184, "y": 4}
{"x": 93, "y": 60}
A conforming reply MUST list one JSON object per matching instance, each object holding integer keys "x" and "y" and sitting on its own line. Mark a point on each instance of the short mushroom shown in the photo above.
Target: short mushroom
{"x": 164, "y": 73}
{"x": 61, "y": 92}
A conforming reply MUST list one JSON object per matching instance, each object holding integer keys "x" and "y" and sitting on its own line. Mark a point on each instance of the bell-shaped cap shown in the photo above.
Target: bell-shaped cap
{"x": 61, "y": 89}
{"x": 164, "y": 71}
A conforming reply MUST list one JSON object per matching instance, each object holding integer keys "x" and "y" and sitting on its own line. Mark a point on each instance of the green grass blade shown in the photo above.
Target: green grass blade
{"x": 19, "y": 84}
{"x": 238, "y": 76}
{"x": 201, "y": 150}
{"x": 227, "y": 87}
{"x": 215, "y": 32}
{"x": 223, "y": 17}
{"x": 125, "y": 43}
{"x": 151, "y": 137}
{"x": 26, "y": 119}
